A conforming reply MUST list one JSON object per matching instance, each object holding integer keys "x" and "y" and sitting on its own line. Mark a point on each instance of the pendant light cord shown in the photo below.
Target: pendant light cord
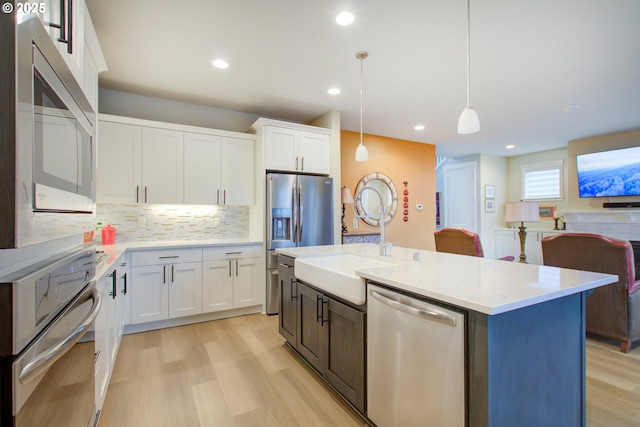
{"x": 468, "y": 51}
{"x": 361, "y": 86}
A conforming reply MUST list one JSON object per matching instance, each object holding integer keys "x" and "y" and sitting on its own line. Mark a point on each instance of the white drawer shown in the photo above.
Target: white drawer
{"x": 165, "y": 256}
{"x": 232, "y": 252}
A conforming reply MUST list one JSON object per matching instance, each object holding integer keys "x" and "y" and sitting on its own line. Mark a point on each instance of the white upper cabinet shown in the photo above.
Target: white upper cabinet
{"x": 218, "y": 170}
{"x": 201, "y": 169}
{"x": 118, "y": 166}
{"x": 236, "y": 171}
{"x": 69, "y": 25}
{"x": 314, "y": 152}
{"x": 144, "y": 164}
{"x": 297, "y": 150}
{"x": 281, "y": 148}
{"x": 162, "y": 166}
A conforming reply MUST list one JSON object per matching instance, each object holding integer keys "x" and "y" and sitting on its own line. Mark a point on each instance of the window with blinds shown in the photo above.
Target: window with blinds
{"x": 542, "y": 181}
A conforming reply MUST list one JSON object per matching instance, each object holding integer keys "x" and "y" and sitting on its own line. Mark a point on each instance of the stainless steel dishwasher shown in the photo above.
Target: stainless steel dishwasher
{"x": 415, "y": 362}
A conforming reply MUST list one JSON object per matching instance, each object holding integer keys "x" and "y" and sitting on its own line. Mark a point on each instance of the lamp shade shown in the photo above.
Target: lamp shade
{"x": 522, "y": 212}
{"x": 362, "y": 154}
{"x": 346, "y": 195}
{"x": 469, "y": 121}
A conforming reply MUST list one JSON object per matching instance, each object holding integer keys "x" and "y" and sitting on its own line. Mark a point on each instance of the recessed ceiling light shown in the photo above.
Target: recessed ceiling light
{"x": 570, "y": 108}
{"x": 510, "y": 146}
{"x": 419, "y": 127}
{"x": 220, "y": 63}
{"x": 334, "y": 91}
{"x": 345, "y": 18}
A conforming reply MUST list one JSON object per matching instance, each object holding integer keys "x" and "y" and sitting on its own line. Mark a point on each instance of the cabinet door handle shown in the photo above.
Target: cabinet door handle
{"x": 229, "y": 268}
{"x": 66, "y": 24}
{"x": 224, "y": 197}
{"x": 322, "y": 311}
{"x": 164, "y": 274}
{"x": 318, "y": 308}
{"x": 173, "y": 273}
{"x": 302, "y": 163}
{"x": 124, "y": 281}
{"x": 294, "y": 295}
{"x": 236, "y": 268}
{"x": 296, "y": 162}
{"x": 146, "y": 193}
{"x": 137, "y": 194}
{"x": 114, "y": 284}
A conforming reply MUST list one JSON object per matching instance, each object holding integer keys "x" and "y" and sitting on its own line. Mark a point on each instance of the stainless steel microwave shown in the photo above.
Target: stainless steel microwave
{"x": 53, "y": 146}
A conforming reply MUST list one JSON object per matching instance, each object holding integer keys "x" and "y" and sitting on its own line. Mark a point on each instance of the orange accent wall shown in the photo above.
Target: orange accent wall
{"x": 400, "y": 160}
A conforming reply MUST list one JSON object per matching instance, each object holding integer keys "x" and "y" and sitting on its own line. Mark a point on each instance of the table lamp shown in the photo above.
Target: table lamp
{"x": 522, "y": 212}
{"x": 346, "y": 198}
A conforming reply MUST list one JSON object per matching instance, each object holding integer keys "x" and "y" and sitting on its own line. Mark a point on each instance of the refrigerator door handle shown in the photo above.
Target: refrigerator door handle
{"x": 294, "y": 217}
{"x": 300, "y": 213}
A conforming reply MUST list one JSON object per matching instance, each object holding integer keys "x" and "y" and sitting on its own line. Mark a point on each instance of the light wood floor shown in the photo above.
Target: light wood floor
{"x": 237, "y": 372}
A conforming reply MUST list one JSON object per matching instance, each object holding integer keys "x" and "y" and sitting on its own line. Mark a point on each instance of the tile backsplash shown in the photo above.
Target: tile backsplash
{"x": 144, "y": 223}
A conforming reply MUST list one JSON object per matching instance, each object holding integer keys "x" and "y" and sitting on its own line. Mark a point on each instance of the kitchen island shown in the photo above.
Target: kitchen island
{"x": 524, "y": 333}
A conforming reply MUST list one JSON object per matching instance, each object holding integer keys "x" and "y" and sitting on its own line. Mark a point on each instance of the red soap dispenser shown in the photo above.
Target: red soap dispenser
{"x": 108, "y": 235}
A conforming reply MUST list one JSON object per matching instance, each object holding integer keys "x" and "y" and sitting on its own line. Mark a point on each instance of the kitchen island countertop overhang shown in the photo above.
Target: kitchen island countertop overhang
{"x": 484, "y": 285}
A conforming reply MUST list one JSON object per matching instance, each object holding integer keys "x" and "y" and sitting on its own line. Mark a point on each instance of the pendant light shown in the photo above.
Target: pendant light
{"x": 362, "y": 154}
{"x": 469, "y": 121}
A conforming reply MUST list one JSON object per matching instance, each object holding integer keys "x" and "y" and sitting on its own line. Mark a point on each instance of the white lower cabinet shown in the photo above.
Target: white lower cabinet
{"x": 109, "y": 324}
{"x": 166, "y": 284}
{"x": 231, "y": 277}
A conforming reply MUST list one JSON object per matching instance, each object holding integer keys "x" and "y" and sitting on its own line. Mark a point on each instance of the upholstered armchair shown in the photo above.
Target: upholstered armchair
{"x": 613, "y": 311}
{"x": 460, "y": 241}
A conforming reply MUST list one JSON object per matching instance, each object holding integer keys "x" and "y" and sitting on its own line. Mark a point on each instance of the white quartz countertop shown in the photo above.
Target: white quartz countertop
{"x": 484, "y": 285}
{"x": 115, "y": 251}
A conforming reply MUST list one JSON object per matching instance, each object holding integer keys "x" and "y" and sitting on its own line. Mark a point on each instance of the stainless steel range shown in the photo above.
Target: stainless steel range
{"x": 47, "y": 375}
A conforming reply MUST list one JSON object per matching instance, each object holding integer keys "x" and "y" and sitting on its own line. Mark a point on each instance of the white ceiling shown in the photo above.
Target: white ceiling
{"x": 529, "y": 60}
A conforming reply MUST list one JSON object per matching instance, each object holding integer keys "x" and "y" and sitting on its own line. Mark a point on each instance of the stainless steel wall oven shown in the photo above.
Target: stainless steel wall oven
{"x": 47, "y": 374}
{"x": 49, "y": 142}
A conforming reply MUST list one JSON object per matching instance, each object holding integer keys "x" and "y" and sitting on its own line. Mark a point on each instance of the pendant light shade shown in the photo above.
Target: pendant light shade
{"x": 362, "y": 154}
{"x": 469, "y": 121}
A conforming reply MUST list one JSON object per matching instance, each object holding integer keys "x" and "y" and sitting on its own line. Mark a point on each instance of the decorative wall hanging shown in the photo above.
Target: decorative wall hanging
{"x": 405, "y": 203}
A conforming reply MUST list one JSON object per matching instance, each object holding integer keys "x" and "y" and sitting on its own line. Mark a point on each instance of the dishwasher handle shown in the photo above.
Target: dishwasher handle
{"x": 433, "y": 316}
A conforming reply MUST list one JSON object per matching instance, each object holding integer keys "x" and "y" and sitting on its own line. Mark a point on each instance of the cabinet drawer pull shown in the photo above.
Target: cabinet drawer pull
{"x": 285, "y": 265}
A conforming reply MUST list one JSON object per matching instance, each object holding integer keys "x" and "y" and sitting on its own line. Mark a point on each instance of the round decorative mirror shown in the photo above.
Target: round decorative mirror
{"x": 368, "y": 202}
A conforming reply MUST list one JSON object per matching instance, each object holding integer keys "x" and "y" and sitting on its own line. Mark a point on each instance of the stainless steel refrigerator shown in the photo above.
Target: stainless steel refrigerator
{"x": 299, "y": 213}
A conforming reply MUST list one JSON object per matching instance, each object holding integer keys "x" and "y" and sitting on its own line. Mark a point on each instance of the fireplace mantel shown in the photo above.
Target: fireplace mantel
{"x": 619, "y": 223}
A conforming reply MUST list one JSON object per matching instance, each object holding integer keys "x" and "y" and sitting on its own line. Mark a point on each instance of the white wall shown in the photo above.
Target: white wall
{"x": 493, "y": 171}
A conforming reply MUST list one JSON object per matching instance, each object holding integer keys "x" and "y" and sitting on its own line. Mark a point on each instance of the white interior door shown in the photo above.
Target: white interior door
{"x": 460, "y": 208}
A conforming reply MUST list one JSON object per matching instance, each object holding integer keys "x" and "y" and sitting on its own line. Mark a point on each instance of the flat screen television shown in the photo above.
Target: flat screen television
{"x": 609, "y": 173}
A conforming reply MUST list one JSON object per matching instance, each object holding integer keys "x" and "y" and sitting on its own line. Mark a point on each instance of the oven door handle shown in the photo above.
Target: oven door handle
{"x": 44, "y": 360}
